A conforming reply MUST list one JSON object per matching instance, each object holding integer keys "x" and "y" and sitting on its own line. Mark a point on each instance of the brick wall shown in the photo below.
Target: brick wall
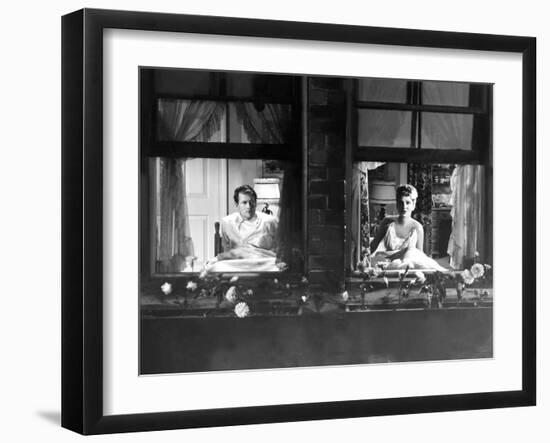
{"x": 326, "y": 182}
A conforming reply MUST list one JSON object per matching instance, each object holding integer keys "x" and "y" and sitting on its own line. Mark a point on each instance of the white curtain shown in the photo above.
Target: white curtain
{"x": 468, "y": 202}
{"x": 174, "y": 241}
{"x": 178, "y": 120}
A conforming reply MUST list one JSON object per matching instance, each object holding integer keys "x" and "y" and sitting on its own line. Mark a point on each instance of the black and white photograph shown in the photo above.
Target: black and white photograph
{"x": 283, "y": 220}
{"x": 275, "y": 221}
{"x": 303, "y": 220}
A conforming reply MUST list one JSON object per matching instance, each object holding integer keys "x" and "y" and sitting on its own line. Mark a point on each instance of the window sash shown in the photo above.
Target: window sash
{"x": 476, "y": 153}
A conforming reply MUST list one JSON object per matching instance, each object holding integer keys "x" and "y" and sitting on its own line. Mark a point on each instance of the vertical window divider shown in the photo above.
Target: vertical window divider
{"x": 414, "y": 117}
{"x": 419, "y": 118}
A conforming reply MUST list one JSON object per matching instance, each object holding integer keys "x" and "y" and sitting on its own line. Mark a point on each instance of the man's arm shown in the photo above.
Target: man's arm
{"x": 226, "y": 242}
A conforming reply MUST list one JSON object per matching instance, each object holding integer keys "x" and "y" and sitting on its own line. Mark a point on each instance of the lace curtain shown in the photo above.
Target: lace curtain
{"x": 268, "y": 123}
{"x": 179, "y": 120}
{"x": 189, "y": 120}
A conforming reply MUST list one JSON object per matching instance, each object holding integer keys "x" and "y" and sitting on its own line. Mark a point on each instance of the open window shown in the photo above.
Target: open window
{"x": 203, "y": 135}
{"x": 435, "y": 136}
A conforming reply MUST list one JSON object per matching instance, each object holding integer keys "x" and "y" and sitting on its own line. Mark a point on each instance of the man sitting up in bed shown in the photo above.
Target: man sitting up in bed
{"x": 247, "y": 234}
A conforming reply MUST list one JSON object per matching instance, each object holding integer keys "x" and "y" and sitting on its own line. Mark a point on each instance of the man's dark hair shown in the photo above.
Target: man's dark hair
{"x": 247, "y": 190}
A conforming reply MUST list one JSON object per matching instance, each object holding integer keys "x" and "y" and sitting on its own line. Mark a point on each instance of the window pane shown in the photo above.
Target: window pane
{"x": 190, "y": 120}
{"x": 445, "y": 94}
{"x": 453, "y": 205}
{"x": 446, "y": 131}
{"x": 382, "y": 90}
{"x": 259, "y": 123}
{"x": 184, "y": 83}
{"x": 384, "y": 128}
{"x": 277, "y": 87}
{"x": 192, "y": 195}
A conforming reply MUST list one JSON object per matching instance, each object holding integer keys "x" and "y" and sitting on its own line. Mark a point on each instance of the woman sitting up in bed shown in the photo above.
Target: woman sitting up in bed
{"x": 248, "y": 237}
{"x": 400, "y": 239}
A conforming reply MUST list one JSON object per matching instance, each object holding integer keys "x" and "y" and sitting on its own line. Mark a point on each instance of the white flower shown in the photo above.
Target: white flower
{"x": 231, "y": 294}
{"x": 234, "y": 279}
{"x": 345, "y": 295}
{"x": 372, "y": 272}
{"x": 191, "y": 285}
{"x": 420, "y": 277}
{"x": 282, "y": 265}
{"x": 203, "y": 274}
{"x": 242, "y": 310}
{"x": 276, "y": 281}
{"x": 166, "y": 288}
{"x": 477, "y": 270}
{"x": 249, "y": 292}
{"x": 467, "y": 277}
{"x": 304, "y": 280}
{"x": 304, "y": 298}
{"x": 476, "y": 254}
{"x": 287, "y": 286}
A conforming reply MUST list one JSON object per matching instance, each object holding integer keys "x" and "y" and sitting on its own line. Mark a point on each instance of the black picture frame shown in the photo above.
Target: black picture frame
{"x": 82, "y": 231}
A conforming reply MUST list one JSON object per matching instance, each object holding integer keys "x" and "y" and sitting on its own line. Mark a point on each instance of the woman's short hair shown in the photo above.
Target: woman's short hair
{"x": 406, "y": 191}
{"x": 247, "y": 190}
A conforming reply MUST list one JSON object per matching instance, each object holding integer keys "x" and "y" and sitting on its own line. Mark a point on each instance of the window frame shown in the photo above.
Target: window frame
{"x": 480, "y": 154}
{"x": 149, "y": 147}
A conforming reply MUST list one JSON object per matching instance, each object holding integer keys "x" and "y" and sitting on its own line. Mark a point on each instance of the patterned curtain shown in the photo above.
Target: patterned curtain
{"x": 420, "y": 176}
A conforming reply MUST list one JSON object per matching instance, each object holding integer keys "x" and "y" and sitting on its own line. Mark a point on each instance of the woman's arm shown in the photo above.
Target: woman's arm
{"x": 419, "y": 237}
{"x": 379, "y": 235}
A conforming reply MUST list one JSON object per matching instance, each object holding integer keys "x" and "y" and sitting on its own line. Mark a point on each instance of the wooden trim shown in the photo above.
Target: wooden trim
{"x": 225, "y": 98}
{"x": 351, "y": 137}
{"x": 82, "y": 277}
{"x": 145, "y": 142}
{"x": 408, "y": 155}
{"x": 73, "y": 293}
{"x": 418, "y": 107}
{"x": 304, "y": 94}
{"x": 284, "y": 151}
